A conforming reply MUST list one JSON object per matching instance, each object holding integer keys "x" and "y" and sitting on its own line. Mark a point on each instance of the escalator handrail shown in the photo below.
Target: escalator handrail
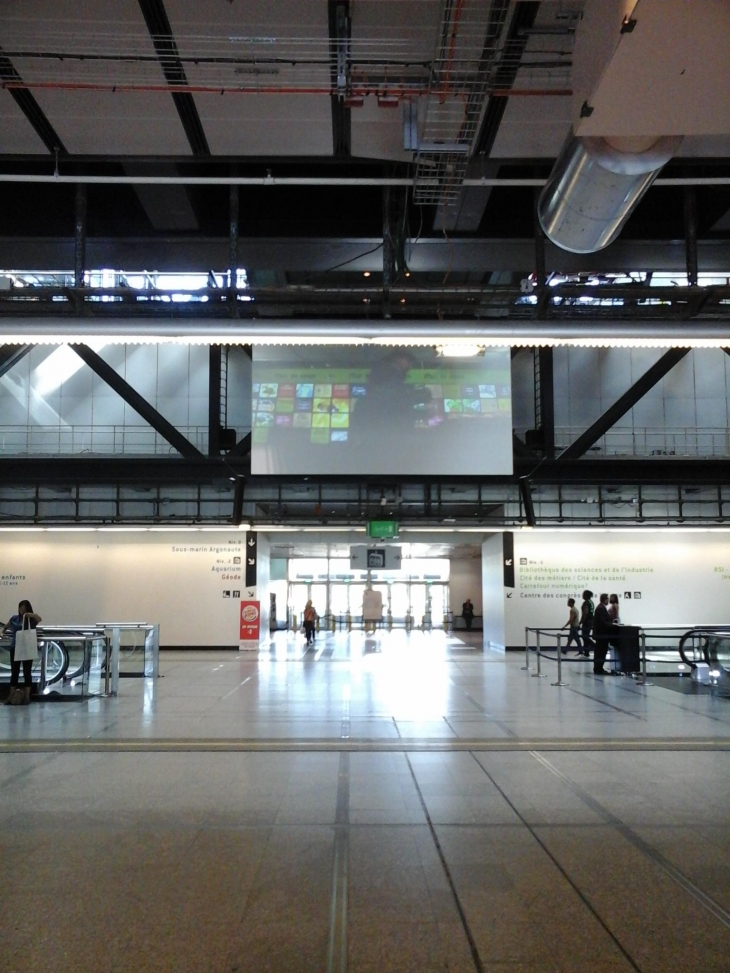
{"x": 704, "y": 634}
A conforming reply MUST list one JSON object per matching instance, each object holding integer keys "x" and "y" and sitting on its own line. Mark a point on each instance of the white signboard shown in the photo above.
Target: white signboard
{"x": 383, "y": 558}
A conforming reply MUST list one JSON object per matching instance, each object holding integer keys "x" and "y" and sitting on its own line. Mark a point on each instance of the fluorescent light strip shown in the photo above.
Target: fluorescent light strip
{"x": 523, "y": 341}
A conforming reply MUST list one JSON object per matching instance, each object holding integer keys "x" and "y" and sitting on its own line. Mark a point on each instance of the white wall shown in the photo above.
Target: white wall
{"x": 174, "y": 578}
{"x": 682, "y": 580}
{"x": 465, "y": 581}
{"x": 493, "y": 591}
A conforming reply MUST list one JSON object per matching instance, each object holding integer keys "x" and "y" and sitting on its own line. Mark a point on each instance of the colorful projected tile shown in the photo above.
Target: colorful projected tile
{"x": 339, "y": 436}
{"x": 320, "y": 421}
{"x": 264, "y": 419}
{"x": 504, "y": 391}
{"x": 504, "y": 405}
{"x": 471, "y": 405}
{"x": 284, "y": 420}
{"x": 323, "y": 391}
{"x": 268, "y": 390}
{"x": 322, "y": 405}
{"x": 267, "y": 405}
{"x": 487, "y": 392}
{"x": 285, "y": 405}
{"x": 340, "y": 420}
{"x": 358, "y": 391}
{"x": 302, "y": 420}
{"x": 302, "y": 405}
{"x": 255, "y": 388}
{"x": 452, "y": 391}
{"x": 340, "y": 391}
{"x": 286, "y": 391}
{"x": 489, "y": 405}
{"x": 321, "y": 436}
{"x": 305, "y": 390}
{"x": 453, "y": 405}
{"x": 467, "y": 391}
{"x": 340, "y": 405}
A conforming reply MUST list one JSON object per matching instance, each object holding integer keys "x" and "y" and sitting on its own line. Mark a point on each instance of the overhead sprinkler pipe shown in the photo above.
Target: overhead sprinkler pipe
{"x": 595, "y": 185}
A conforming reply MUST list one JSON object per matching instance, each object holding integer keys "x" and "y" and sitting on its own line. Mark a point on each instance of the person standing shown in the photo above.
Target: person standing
{"x": 613, "y": 614}
{"x": 310, "y": 617}
{"x": 572, "y": 626}
{"x": 26, "y": 615}
{"x": 467, "y": 613}
{"x": 602, "y": 632}
{"x": 587, "y": 611}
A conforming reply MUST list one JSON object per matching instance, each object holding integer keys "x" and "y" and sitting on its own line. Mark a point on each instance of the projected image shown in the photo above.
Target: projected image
{"x": 380, "y": 411}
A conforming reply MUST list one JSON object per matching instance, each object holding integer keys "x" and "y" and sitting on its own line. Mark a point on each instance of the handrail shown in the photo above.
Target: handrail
{"x": 704, "y": 632}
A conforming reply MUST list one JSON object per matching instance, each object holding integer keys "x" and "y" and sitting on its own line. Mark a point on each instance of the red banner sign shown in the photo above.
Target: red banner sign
{"x": 250, "y": 620}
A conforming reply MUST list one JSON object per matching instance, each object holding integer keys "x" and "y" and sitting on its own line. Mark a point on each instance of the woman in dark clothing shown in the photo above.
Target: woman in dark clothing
{"x": 16, "y": 696}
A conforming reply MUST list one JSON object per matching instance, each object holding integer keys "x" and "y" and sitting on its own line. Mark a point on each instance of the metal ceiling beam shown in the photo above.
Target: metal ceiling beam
{"x": 186, "y": 254}
{"x": 136, "y": 401}
{"x": 31, "y": 109}
{"x": 624, "y": 404}
{"x": 11, "y": 355}
{"x": 659, "y": 471}
{"x": 168, "y": 55}
{"x": 340, "y": 25}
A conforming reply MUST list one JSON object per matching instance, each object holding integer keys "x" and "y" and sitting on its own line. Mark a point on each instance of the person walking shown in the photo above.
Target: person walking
{"x": 28, "y": 618}
{"x": 467, "y": 613}
{"x": 587, "y": 611}
{"x": 310, "y": 617}
{"x": 602, "y": 632}
{"x": 572, "y": 626}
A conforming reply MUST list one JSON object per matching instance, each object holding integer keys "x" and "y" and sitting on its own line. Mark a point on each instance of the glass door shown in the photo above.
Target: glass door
{"x": 399, "y": 601}
{"x": 418, "y": 603}
{"x": 438, "y": 604}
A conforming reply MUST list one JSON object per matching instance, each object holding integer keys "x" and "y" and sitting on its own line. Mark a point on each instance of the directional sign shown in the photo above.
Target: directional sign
{"x": 251, "y": 542}
{"x": 382, "y": 528}
{"x": 365, "y": 558}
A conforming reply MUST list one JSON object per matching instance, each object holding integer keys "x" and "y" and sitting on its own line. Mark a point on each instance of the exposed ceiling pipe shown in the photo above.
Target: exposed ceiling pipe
{"x": 595, "y": 186}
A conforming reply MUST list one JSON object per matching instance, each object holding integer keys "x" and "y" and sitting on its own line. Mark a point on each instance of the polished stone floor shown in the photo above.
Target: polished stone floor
{"x": 402, "y": 803}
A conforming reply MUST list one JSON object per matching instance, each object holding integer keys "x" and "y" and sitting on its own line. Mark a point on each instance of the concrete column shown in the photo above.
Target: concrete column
{"x": 493, "y": 592}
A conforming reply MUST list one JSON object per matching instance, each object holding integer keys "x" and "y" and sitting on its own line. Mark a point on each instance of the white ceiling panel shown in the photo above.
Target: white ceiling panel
{"x": 119, "y": 123}
{"x": 249, "y": 124}
{"x": 16, "y": 133}
{"x": 533, "y": 126}
{"x": 259, "y": 18}
{"x": 398, "y": 25}
{"x": 377, "y": 133}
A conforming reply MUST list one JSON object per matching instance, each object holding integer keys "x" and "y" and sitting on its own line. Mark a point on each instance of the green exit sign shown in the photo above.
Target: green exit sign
{"x": 382, "y": 528}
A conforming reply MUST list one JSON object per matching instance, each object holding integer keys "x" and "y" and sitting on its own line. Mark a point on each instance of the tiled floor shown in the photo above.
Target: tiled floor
{"x": 389, "y": 804}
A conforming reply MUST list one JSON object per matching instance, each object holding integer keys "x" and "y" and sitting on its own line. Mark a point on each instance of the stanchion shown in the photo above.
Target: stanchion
{"x": 333, "y": 623}
{"x": 390, "y": 620}
{"x": 560, "y": 665}
{"x": 348, "y": 619}
{"x": 526, "y": 666}
{"x": 446, "y": 622}
{"x": 642, "y": 680}
{"x": 538, "y": 674}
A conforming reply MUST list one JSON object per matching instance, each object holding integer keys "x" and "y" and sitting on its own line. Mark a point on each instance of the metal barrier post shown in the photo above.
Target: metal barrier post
{"x": 44, "y": 666}
{"x": 107, "y": 666}
{"x": 642, "y": 680}
{"x": 560, "y": 665}
{"x": 116, "y": 645}
{"x": 538, "y": 674}
{"x": 526, "y": 666}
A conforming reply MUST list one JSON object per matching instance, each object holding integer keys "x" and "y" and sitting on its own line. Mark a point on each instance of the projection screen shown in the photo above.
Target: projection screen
{"x": 363, "y": 410}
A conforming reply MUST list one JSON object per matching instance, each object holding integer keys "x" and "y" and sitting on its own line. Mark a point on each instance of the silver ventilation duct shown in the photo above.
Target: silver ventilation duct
{"x": 595, "y": 185}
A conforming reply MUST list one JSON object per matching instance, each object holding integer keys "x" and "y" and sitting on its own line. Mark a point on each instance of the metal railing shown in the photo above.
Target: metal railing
{"x": 692, "y": 644}
{"x": 695, "y": 441}
{"x": 65, "y": 440}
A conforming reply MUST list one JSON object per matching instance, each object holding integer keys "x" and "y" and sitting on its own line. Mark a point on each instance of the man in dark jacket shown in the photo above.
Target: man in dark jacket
{"x": 602, "y": 632}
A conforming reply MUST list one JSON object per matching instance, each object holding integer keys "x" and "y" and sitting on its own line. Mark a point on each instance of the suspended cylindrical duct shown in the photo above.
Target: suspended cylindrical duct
{"x": 595, "y": 185}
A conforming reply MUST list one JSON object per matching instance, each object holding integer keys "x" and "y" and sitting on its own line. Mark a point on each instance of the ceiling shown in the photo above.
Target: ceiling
{"x": 327, "y": 89}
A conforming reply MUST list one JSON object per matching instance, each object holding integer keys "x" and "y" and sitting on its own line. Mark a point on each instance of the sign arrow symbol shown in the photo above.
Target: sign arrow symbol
{"x": 252, "y": 560}
{"x": 252, "y": 543}
{"x": 509, "y": 594}
{"x": 508, "y": 562}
